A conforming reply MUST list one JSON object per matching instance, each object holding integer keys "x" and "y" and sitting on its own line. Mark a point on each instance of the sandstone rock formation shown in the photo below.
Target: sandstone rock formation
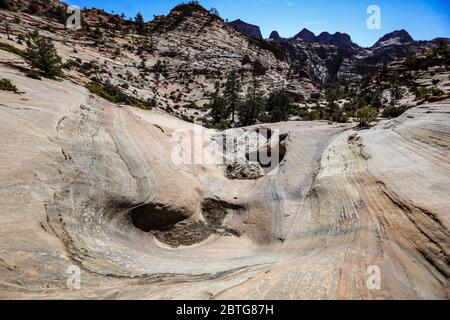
{"x": 88, "y": 183}
{"x": 149, "y": 206}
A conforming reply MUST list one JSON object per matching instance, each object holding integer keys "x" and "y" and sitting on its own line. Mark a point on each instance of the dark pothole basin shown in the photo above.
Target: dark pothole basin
{"x": 176, "y": 228}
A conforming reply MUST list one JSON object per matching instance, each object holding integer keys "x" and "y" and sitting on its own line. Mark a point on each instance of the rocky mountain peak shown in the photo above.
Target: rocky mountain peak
{"x": 324, "y": 37}
{"x": 274, "y": 35}
{"x": 305, "y": 35}
{"x": 397, "y": 37}
{"x": 190, "y": 17}
{"x": 246, "y": 28}
{"x": 342, "y": 37}
{"x": 340, "y": 40}
{"x": 188, "y": 8}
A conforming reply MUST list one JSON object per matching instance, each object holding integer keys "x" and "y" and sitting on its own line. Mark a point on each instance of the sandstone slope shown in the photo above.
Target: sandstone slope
{"x": 88, "y": 183}
{"x": 173, "y": 63}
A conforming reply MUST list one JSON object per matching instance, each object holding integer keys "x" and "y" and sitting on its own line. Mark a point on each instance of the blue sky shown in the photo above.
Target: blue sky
{"x": 423, "y": 19}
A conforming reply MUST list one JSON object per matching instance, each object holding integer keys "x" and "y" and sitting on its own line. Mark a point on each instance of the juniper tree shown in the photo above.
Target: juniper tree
{"x": 42, "y": 55}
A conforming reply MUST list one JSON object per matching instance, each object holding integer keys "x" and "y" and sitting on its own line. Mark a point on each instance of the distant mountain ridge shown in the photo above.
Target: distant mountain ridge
{"x": 218, "y": 45}
{"x": 327, "y": 57}
{"x": 246, "y": 28}
{"x": 340, "y": 40}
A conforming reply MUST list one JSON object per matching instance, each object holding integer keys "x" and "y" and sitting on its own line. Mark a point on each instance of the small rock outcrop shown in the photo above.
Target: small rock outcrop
{"x": 247, "y": 171}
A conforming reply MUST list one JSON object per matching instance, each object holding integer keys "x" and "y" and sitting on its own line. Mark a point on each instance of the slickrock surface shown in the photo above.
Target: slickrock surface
{"x": 84, "y": 182}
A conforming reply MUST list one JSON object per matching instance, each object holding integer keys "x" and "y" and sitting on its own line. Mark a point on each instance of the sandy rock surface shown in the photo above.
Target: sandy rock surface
{"x": 87, "y": 183}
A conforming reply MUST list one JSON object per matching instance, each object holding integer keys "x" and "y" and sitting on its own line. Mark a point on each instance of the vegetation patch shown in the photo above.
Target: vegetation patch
{"x": 41, "y": 54}
{"x": 394, "y": 112}
{"x": 11, "y": 49}
{"x": 366, "y": 115}
{"x": 115, "y": 95}
{"x": 7, "y": 85}
{"x": 424, "y": 93}
{"x": 99, "y": 90}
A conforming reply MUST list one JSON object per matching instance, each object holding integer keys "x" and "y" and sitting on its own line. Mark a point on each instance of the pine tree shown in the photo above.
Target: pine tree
{"x": 250, "y": 110}
{"x": 140, "y": 24}
{"x": 233, "y": 88}
{"x": 151, "y": 44}
{"x": 279, "y": 105}
{"x": 218, "y": 106}
{"x": 158, "y": 68}
{"x": 41, "y": 54}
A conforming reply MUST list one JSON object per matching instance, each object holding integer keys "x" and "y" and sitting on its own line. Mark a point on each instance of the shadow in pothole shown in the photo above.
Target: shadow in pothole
{"x": 175, "y": 228}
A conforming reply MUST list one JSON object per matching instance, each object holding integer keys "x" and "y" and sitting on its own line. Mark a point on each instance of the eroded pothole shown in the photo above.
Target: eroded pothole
{"x": 175, "y": 229}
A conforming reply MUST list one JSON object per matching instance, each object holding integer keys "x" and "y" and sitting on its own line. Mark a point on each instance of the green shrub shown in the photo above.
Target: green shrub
{"x": 7, "y": 85}
{"x": 139, "y": 105}
{"x": 422, "y": 93}
{"x": 394, "y": 112}
{"x": 315, "y": 96}
{"x": 100, "y": 91}
{"x": 312, "y": 116}
{"x": 435, "y": 91}
{"x": 349, "y": 108}
{"x": 366, "y": 115}
{"x": 71, "y": 64}
{"x": 339, "y": 116}
{"x": 115, "y": 95}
